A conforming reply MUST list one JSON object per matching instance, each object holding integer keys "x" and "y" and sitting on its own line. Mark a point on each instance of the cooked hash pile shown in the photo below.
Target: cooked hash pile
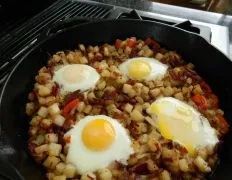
{"x": 129, "y": 110}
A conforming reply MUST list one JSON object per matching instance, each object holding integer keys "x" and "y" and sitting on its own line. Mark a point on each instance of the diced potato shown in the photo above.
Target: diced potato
{"x": 81, "y": 106}
{"x": 35, "y": 120}
{"x": 146, "y": 105}
{"x": 148, "y": 52}
{"x": 165, "y": 175}
{"x": 51, "y": 138}
{"x": 95, "y": 49}
{"x": 197, "y": 89}
{"x": 104, "y": 174}
{"x": 106, "y": 51}
{"x": 43, "y": 112}
{"x": 54, "y": 109}
{"x": 88, "y": 176}
{"x": 44, "y": 91}
{"x": 152, "y": 167}
{"x": 30, "y": 108}
{"x": 143, "y": 138}
{"x": 128, "y": 108}
{"x": 62, "y": 177}
{"x": 132, "y": 93}
{"x": 33, "y": 131}
{"x": 202, "y": 164}
{"x": 136, "y": 115}
{"x": 139, "y": 99}
{"x": 127, "y": 88}
{"x": 168, "y": 91}
{"x": 54, "y": 149}
{"x": 159, "y": 56}
{"x": 101, "y": 85}
{"x": 51, "y": 162}
{"x": 59, "y": 120}
{"x": 56, "y": 58}
{"x": 62, "y": 157}
{"x": 183, "y": 164}
{"x": 138, "y": 107}
{"x": 179, "y": 96}
{"x": 153, "y": 144}
{"x": 132, "y": 161}
{"x": 155, "y": 92}
{"x": 60, "y": 168}
{"x": 87, "y": 109}
{"x": 82, "y": 47}
{"x": 90, "y": 56}
{"x": 105, "y": 73}
{"x": 50, "y": 175}
{"x": 46, "y": 123}
{"x": 41, "y": 149}
{"x": 70, "y": 171}
{"x": 83, "y": 60}
{"x": 145, "y": 90}
{"x": 91, "y": 96}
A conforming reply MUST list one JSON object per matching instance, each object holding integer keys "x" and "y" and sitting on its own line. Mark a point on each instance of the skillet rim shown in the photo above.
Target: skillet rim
{"x": 97, "y": 22}
{"x": 47, "y": 38}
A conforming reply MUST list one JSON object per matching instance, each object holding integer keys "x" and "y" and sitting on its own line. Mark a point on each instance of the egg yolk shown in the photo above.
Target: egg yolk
{"x": 177, "y": 123}
{"x": 139, "y": 69}
{"x": 98, "y": 135}
{"x": 74, "y": 74}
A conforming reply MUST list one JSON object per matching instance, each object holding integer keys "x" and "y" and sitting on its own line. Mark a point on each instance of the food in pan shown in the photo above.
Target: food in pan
{"x": 181, "y": 123}
{"x": 131, "y": 110}
{"x": 100, "y": 140}
{"x": 142, "y": 68}
{"x": 75, "y": 77}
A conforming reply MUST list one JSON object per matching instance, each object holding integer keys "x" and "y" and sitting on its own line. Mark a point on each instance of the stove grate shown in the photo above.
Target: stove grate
{"x": 14, "y": 43}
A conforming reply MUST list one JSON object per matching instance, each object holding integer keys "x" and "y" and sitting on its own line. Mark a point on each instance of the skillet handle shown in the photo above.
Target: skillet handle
{"x": 62, "y": 25}
{"x": 7, "y": 171}
{"x": 118, "y": 13}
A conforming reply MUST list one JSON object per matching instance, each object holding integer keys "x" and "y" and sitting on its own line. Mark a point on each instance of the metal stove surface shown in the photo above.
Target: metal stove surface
{"x": 219, "y": 34}
{"x": 220, "y": 25}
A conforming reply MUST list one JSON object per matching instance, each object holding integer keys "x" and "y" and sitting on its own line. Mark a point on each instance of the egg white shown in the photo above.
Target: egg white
{"x": 158, "y": 69}
{"x": 87, "y": 160}
{"x": 182, "y": 123}
{"x": 87, "y": 75}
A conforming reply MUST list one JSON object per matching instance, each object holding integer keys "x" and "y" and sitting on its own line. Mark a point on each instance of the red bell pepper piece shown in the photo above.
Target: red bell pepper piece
{"x": 68, "y": 107}
{"x": 201, "y": 101}
{"x": 118, "y": 43}
{"x": 131, "y": 42}
{"x": 68, "y": 140}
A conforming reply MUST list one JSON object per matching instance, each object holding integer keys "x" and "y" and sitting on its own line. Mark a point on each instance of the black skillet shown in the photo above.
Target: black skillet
{"x": 211, "y": 64}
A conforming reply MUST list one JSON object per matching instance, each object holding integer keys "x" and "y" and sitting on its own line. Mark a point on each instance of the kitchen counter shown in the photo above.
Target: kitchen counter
{"x": 187, "y": 13}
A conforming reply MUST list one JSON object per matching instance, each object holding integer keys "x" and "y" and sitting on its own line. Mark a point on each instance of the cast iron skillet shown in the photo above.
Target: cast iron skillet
{"x": 211, "y": 64}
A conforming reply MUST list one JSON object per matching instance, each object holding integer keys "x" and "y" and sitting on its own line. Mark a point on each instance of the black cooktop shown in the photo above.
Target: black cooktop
{"x": 18, "y": 33}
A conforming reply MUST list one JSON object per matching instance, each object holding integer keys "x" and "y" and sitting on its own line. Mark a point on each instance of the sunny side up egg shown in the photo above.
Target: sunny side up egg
{"x": 74, "y": 77}
{"x": 181, "y": 123}
{"x": 143, "y": 68}
{"x": 96, "y": 142}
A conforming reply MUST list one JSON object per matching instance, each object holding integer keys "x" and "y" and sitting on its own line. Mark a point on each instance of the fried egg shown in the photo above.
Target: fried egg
{"x": 74, "y": 77}
{"x": 97, "y": 141}
{"x": 180, "y": 122}
{"x": 143, "y": 68}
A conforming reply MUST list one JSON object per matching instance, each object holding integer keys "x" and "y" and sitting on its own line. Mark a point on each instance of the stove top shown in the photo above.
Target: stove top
{"x": 17, "y": 39}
